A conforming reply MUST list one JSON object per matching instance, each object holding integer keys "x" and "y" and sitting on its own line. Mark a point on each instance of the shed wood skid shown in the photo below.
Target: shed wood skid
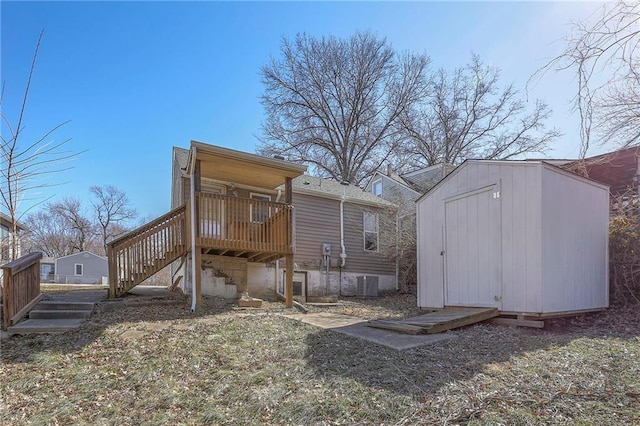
{"x": 520, "y": 236}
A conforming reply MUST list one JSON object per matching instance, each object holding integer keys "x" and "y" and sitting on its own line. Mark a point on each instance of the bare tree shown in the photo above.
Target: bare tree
{"x": 334, "y": 103}
{"x": 603, "y": 52}
{"x": 24, "y": 164}
{"x": 48, "y": 232}
{"x": 112, "y": 209}
{"x": 82, "y": 229}
{"x": 467, "y": 115}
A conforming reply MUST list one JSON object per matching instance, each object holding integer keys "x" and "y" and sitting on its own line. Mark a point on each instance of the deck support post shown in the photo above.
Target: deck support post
{"x": 288, "y": 291}
{"x": 197, "y": 258}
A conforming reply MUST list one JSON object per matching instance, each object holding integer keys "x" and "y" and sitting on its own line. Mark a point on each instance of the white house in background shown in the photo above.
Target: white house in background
{"x": 524, "y": 236}
{"x": 6, "y": 230}
{"x": 81, "y": 268}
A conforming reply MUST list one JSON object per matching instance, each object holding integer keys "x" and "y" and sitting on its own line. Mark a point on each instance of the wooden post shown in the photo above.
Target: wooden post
{"x": 288, "y": 293}
{"x": 197, "y": 256}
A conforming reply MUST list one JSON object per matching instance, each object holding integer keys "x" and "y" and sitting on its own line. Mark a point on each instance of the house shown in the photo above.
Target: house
{"x": 340, "y": 232}
{"x": 336, "y": 237}
{"x": 406, "y": 188}
{"x": 619, "y": 169}
{"x": 525, "y": 237}
{"x": 47, "y": 270}
{"x": 227, "y": 212}
{"x": 81, "y": 268}
{"x": 6, "y": 230}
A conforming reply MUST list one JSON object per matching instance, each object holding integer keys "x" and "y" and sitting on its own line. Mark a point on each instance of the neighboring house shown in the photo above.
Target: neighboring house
{"x": 47, "y": 270}
{"x": 81, "y": 268}
{"x": 336, "y": 236}
{"x": 227, "y": 213}
{"x": 526, "y": 237}
{"x": 6, "y": 230}
{"x": 619, "y": 169}
{"x": 406, "y": 188}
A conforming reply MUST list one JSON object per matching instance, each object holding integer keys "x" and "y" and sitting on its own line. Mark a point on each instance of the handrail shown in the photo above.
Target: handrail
{"x": 144, "y": 251}
{"x": 21, "y": 287}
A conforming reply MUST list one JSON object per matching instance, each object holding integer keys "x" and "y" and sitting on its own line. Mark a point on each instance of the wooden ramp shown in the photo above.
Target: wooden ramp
{"x": 438, "y": 321}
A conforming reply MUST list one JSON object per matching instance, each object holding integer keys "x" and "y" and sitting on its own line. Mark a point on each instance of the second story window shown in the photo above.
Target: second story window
{"x": 376, "y": 187}
{"x": 260, "y": 212}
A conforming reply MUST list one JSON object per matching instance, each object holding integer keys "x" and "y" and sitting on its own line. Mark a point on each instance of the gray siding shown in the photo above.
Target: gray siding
{"x": 93, "y": 266}
{"x": 317, "y": 221}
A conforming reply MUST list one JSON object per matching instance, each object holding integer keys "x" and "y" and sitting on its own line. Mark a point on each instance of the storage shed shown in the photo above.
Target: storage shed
{"x": 525, "y": 237}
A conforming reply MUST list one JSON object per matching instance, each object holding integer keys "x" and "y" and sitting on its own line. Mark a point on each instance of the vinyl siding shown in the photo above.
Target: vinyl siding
{"x": 317, "y": 221}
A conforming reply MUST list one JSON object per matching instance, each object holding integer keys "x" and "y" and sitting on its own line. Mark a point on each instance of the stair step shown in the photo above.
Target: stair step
{"x": 64, "y": 306}
{"x": 40, "y": 326}
{"x": 58, "y": 314}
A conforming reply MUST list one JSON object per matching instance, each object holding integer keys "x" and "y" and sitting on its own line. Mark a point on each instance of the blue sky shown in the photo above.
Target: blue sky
{"x": 136, "y": 78}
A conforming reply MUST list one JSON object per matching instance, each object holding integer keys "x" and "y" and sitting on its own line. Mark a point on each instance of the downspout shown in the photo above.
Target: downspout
{"x": 397, "y": 250}
{"x": 192, "y": 190}
{"x": 343, "y": 250}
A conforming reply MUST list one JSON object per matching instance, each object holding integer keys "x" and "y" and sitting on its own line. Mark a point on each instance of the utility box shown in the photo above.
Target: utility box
{"x": 367, "y": 286}
{"x": 326, "y": 249}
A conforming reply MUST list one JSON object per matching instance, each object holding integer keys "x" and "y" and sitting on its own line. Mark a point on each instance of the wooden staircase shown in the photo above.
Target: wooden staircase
{"x": 139, "y": 254}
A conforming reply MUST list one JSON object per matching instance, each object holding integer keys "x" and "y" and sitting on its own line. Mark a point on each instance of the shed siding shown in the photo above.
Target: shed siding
{"x": 575, "y": 240}
{"x": 553, "y": 237}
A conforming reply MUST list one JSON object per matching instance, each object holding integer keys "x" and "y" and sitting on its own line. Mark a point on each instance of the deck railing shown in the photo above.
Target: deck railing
{"x": 20, "y": 287}
{"x": 144, "y": 251}
{"x": 243, "y": 224}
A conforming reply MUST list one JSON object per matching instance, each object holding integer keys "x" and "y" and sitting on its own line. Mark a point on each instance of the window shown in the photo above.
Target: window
{"x": 259, "y": 211}
{"x": 370, "y": 224}
{"x": 78, "y": 269}
{"x": 376, "y": 187}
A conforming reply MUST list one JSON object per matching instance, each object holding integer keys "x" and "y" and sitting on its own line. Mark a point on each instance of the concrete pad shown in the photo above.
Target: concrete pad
{"x": 53, "y": 326}
{"x": 357, "y": 327}
{"x": 326, "y": 320}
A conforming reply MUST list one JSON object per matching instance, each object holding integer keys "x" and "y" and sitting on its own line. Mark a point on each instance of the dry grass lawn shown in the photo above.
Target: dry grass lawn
{"x": 161, "y": 364}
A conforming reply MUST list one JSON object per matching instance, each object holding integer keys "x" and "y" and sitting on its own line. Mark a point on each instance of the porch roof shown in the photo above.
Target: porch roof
{"x": 239, "y": 167}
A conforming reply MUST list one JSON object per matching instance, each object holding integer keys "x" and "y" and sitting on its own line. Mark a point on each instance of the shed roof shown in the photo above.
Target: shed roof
{"x": 539, "y": 163}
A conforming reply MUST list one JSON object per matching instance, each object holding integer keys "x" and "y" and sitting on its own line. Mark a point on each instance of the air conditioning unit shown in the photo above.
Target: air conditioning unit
{"x": 367, "y": 286}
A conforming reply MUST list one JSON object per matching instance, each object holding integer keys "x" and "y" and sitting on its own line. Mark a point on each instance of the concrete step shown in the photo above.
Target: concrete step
{"x": 38, "y": 313}
{"x": 40, "y": 326}
{"x": 64, "y": 306}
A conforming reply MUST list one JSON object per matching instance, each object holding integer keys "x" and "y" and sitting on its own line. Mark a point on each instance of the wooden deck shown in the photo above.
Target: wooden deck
{"x": 437, "y": 321}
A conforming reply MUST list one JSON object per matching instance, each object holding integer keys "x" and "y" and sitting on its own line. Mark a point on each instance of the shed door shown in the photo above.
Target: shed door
{"x": 473, "y": 249}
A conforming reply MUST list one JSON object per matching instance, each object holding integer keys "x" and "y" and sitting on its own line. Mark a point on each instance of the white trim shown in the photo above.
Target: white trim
{"x": 75, "y": 269}
{"x": 82, "y": 252}
{"x": 258, "y": 194}
{"x": 364, "y": 231}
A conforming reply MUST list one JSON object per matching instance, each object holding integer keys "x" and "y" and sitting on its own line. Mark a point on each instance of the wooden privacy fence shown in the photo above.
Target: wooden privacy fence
{"x": 144, "y": 251}
{"x": 20, "y": 287}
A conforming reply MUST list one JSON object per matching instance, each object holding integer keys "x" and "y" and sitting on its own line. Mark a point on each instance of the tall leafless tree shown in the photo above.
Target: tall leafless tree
{"x": 77, "y": 221}
{"x": 113, "y": 210}
{"x": 24, "y": 164}
{"x": 604, "y": 54}
{"x": 467, "y": 115}
{"x": 334, "y": 103}
{"x": 48, "y": 232}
